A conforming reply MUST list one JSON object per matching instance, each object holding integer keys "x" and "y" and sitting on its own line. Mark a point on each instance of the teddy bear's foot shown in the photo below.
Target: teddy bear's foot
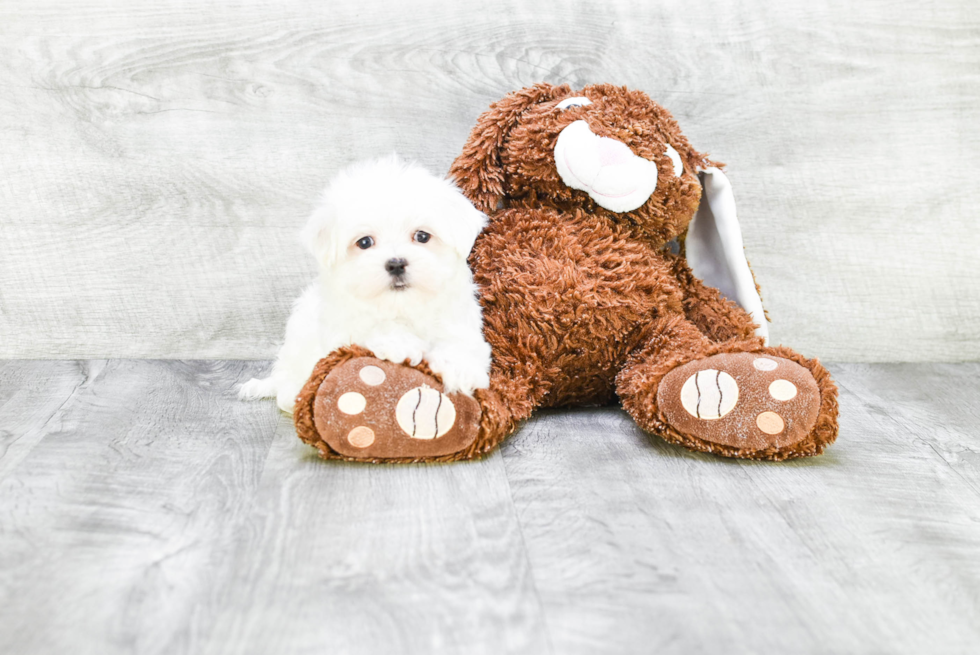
{"x": 752, "y": 404}
{"x": 370, "y": 409}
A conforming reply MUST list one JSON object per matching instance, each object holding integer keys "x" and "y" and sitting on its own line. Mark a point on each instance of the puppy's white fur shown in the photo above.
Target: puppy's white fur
{"x": 354, "y": 300}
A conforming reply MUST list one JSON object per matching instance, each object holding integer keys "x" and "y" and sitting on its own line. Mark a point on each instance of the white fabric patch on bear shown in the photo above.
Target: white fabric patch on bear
{"x": 709, "y": 394}
{"x": 605, "y": 168}
{"x": 351, "y": 403}
{"x": 675, "y": 159}
{"x": 577, "y": 101}
{"x": 782, "y": 390}
{"x": 424, "y": 413}
{"x": 372, "y": 375}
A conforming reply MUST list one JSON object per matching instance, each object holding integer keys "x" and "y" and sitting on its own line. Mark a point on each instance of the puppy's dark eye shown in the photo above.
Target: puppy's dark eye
{"x": 422, "y": 237}
{"x": 365, "y": 242}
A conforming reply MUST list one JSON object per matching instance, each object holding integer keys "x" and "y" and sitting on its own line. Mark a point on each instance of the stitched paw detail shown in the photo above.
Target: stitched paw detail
{"x": 372, "y": 409}
{"x": 709, "y": 394}
{"x": 744, "y": 400}
{"x": 424, "y": 413}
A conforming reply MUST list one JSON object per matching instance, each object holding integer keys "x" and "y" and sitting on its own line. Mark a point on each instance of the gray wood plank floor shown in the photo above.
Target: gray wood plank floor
{"x": 144, "y": 509}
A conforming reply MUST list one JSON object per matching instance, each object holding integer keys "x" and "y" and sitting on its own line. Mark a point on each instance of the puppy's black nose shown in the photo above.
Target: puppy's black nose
{"x": 396, "y": 267}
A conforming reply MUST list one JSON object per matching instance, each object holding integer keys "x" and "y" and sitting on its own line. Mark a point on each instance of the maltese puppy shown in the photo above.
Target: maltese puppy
{"x": 391, "y": 242}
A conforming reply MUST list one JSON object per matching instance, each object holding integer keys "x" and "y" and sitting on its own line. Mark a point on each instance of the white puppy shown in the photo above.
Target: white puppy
{"x": 391, "y": 241}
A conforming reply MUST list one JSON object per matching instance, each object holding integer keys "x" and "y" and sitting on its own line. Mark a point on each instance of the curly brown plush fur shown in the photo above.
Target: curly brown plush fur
{"x": 583, "y": 305}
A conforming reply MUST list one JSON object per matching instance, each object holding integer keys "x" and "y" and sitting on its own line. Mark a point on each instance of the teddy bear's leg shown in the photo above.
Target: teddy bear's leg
{"x": 736, "y": 398}
{"x": 357, "y": 407}
{"x": 715, "y": 316}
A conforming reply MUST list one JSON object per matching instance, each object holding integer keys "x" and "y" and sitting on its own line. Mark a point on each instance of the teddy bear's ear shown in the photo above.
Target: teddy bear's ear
{"x": 714, "y": 247}
{"x": 477, "y": 171}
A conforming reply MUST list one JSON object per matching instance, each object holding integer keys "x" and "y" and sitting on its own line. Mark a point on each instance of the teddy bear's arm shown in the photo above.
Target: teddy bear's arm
{"x": 715, "y": 316}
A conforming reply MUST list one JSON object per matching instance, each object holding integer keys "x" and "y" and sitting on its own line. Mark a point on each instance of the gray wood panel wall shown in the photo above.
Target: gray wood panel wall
{"x": 157, "y": 159}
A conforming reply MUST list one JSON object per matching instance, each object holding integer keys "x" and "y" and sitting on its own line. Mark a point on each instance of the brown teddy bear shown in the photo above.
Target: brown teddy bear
{"x": 606, "y": 229}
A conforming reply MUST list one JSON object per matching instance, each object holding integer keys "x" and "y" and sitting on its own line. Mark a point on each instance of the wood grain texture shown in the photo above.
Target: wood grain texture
{"x": 159, "y": 159}
{"x": 32, "y": 397}
{"x": 868, "y": 548}
{"x": 156, "y": 513}
{"x": 120, "y": 520}
{"x": 348, "y": 558}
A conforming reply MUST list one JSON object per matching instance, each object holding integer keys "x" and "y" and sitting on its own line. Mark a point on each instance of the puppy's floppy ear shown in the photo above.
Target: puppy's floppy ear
{"x": 319, "y": 236}
{"x": 464, "y": 224}
{"x": 714, "y": 247}
{"x": 477, "y": 171}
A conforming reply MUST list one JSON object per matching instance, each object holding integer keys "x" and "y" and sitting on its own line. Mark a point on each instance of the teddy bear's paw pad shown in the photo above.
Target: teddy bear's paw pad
{"x": 744, "y": 400}
{"x": 372, "y": 409}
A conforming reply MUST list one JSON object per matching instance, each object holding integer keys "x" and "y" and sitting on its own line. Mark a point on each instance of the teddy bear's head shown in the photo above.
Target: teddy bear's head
{"x": 603, "y": 149}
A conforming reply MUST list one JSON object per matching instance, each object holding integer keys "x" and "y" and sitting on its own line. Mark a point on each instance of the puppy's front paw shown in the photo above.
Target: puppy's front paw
{"x": 257, "y": 388}
{"x": 460, "y": 374}
{"x": 397, "y": 348}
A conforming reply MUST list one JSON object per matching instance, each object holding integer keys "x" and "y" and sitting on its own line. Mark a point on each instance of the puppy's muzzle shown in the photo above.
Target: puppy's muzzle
{"x": 396, "y": 269}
